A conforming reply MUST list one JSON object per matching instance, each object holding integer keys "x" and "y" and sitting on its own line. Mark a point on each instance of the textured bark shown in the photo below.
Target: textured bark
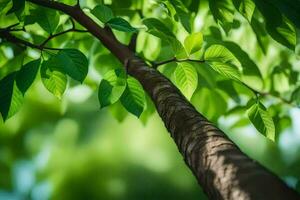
{"x": 223, "y": 171}
{"x": 220, "y": 167}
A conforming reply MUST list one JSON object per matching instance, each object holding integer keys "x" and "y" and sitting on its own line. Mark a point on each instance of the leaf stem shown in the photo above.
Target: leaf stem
{"x": 157, "y": 64}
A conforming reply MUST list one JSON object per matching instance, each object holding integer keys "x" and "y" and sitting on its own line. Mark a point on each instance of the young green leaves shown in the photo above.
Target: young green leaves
{"x": 186, "y": 78}
{"x": 277, "y": 25}
{"x": 133, "y": 98}
{"x": 222, "y": 61}
{"x": 27, "y": 74}
{"x": 69, "y": 62}
{"x": 14, "y": 86}
{"x": 120, "y": 24}
{"x": 182, "y": 13}
{"x": 106, "y": 16}
{"x": 10, "y": 96}
{"x": 223, "y": 12}
{"x": 54, "y": 80}
{"x": 193, "y": 42}
{"x": 245, "y": 7}
{"x": 72, "y": 62}
{"x": 260, "y": 118}
{"x": 103, "y": 13}
{"x": 111, "y": 87}
{"x": 46, "y": 18}
{"x": 17, "y": 6}
{"x": 160, "y": 30}
{"x": 116, "y": 86}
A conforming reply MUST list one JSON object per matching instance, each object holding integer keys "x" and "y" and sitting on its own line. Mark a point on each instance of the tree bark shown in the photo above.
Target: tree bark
{"x": 223, "y": 171}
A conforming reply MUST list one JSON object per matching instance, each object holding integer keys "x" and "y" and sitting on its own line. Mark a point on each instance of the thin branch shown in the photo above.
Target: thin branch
{"x": 72, "y": 22}
{"x": 5, "y": 34}
{"x": 62, "y": 33}
{"x": 106, "y": 37}
{"x": 11, "y": 26}
{"x": 18, "y": 29}
{"x": 157, "y": 64}
{"x": 263, "y": 94}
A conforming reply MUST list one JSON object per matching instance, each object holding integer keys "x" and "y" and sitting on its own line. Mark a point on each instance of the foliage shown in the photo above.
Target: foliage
{"x": 62, "y": 58}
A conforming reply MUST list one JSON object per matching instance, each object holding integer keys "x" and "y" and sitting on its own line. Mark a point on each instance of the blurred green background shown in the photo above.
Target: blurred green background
{"x": 70, "y": 149}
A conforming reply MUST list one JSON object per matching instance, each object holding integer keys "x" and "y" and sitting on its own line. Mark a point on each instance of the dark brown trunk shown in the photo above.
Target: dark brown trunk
{"x": 223, "y": 171}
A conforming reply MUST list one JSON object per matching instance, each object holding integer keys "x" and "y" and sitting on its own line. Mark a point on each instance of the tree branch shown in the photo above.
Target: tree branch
{"x": 105, "y": 36}
{"x": 155, "y": 65}
{"x": 5, "y": 34}
{"x": 61, "y": 33}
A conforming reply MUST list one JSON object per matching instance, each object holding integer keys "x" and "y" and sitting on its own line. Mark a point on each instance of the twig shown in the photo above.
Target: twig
{"x": 61, "y": 33}
{"x": 11, "y": 38}
{"x": 261, "y": 93}
{"x": 157, "y": 64}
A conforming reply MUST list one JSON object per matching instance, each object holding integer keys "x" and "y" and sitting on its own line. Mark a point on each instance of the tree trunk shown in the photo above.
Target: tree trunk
{"x": 223, "y": 171}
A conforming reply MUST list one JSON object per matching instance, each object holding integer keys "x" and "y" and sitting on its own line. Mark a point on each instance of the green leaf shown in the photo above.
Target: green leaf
{"x": 10, "y": 96}
{"x": 160, "y": 30}
{"x": 228, "y": 87}
{"x": 296, "y": 96}
{"x": 215, "y": 104}
{"x": 227, "y": 70}
{"x": 260, "y": 34}
{"x": 249, "y": 66}
{"x": 261, "y": 119}
{"x": 48, "y": 19}
{"x": 223, "y": 12}
{"x": 111, "y": 87}
{"x": 177, "y": 47}
{"x": 54, "y": 80}
{"x": 3, "y": 5}
{"x": 193, "y": 42}
{"x": 120, "y": 24}
{"x": 219, "y": 53}
{"x": 118, "y": 111}
{"x": 182, "y": 13}
{"x": 27, "y": 74}
{"x": 285, "y": 33}
{"x": 186, "y": 78}
{"x": 148, "y": 111}
{"x": 245, "y": 7}
{"x": 157, "y": 28}
{"x": 103, "y": 13}
{"x": 70, "y": 61}
{"x": 290, "y": 8}
{"x": 277, "y": 25}
{"x": 133, "y": 98}
{"x": 18, "y": 5}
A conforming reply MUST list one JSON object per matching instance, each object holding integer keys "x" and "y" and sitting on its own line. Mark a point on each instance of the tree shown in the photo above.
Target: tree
{"x": 220, "y": 167}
